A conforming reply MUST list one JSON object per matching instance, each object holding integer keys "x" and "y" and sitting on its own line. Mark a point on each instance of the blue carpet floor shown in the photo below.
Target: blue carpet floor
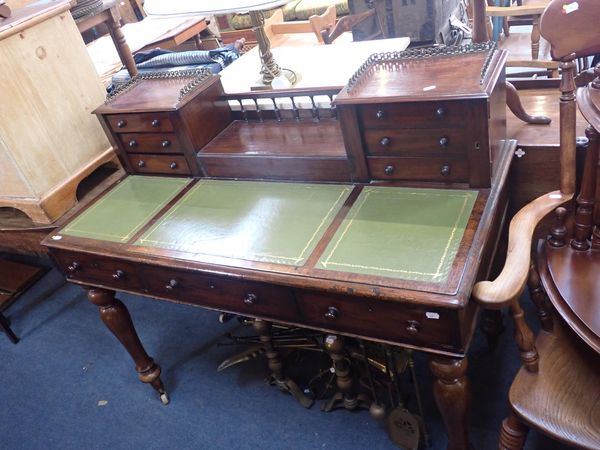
{"x": 69, "y": 385}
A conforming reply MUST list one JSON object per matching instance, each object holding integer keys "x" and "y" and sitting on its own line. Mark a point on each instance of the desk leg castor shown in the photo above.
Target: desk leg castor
{"x": 263, "y": 328}
{"x": 116, "y": 317}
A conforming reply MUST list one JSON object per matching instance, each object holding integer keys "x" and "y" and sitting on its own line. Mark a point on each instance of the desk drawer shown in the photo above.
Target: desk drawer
{"x": 150, "y": 143}
{"x": 416, "y": 142}
{"x": 413, "y": 115}
{"x": 391, "y": 321}
{"x": 107, "y": 272}
{"x": 422, "y": 169}
{"x": 148, "y": 122}
{"x": 171, "y": 164}
{"x": 248, "y": 298}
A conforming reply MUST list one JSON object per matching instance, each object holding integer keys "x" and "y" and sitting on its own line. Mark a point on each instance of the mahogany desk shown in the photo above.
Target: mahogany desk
{"x": 387, "y": 249}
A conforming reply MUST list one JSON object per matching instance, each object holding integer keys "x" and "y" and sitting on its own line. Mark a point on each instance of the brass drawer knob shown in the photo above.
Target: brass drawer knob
{"x": 172, "y": 284}
{"x": 332, "y": 313}
{"x": 155, "y": 123}
{"x": 74, "y": 266}
{"x": 444, "y": 141}
{"x": 133, "y": 143}
{"x": 141, "y": 163}
{"x": 389, "y": 170}
{"x": 440, "y": 112}
{"x": 385, "y": 141}
{"x": 166, "y": 143}
{"x": 250, "y": 299}
{"x": 412, "y": 326}
{"x": 121, "y": 124}
{"x": 119, "y": 274}
{"x": 445, "y": 171}
{"x": 380, "y": 114}
{"x": 173, "y": 165}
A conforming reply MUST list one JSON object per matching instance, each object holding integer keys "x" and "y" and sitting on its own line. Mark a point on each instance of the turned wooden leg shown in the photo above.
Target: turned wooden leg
{"x": 538, "y": 296}
{"x": 451, "y": 391}
{"x": 512, "y": 434}
{"x": 116, "y": 317}
{"x": 524, "y": 338}
{"x": 125, "y": 55}
{"x": 513, "y": 101}
{"x": 345, "y": 396}
{"x": 275, "y": 363}
{"x": 492, "y": 326}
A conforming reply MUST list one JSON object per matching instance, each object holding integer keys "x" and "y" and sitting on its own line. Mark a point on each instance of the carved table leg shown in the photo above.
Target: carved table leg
{"x": 116, "y": 317}
{"x": 451, "y": 391}
{"x": 344, "y": 397}
{"x": 513, "y": 434}
{"x": 263, "y": 328}
{"x": 513, "y": 102}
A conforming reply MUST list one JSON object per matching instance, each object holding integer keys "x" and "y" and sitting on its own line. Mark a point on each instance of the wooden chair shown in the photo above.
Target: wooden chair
{"x": 327, "y": 31}
{"x": 526, "y": 49}
{"x": 557, "y": 391}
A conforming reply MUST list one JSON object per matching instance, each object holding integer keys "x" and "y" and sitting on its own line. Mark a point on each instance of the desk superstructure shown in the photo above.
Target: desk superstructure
{"x": 294, "y": 217}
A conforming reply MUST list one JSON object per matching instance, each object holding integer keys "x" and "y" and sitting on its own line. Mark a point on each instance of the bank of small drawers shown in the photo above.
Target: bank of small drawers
{"x": 150, "y": 143}
{"x": 415, "y": 141}
{"x": 397, "y": 322}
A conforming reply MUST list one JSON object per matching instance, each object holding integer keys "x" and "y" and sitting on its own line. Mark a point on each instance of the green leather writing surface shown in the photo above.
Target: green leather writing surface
{"x": 404, "y": 233}
{"x": 258, "y": 221}
{"x": 126, "y": 208}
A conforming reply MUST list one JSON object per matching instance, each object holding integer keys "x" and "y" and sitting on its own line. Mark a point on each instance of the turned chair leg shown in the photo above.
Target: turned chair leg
{"x": 512, "y": 434}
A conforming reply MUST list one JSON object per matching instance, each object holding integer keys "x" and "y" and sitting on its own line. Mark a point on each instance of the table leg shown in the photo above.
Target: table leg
{"x": 116, "y": 317}
{"x": 118, "y": 38}
{"x": 451, "y": 391}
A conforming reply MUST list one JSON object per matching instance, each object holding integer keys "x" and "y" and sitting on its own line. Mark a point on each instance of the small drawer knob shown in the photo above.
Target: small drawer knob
{"x": 133, "y": 143}
{"x": 445, "y": 171}
{"x": 141, "y": 163}
{"x": 385, "y": 141}
{"x": 166, "y": 143}
{"x": 173, "y": 165}
{"x": 412, "y": 326}
{"x": 121, "y": 124}
{"x": 119, "y": 274}
{"x": 440, "y": 112}
{"x": 380, "y": 114}
{"x": 172, "y": 284}
{"x": 389, "y": 170}
{"x": 73, "y": 267}
{"x": 250, "y": 299}
{"x": 444, "y": 141}
{"x": 155, "y": 123}
{"x": 332, "y": 313}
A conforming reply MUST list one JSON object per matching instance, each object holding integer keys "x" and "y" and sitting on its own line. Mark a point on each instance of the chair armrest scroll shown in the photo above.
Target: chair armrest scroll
{"x": 509, "y": 285}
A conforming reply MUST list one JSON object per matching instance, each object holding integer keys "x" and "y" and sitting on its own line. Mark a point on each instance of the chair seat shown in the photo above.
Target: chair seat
{"x": 562, "y": 400}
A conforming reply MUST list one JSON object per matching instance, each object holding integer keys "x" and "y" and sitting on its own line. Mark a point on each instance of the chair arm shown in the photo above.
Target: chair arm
{"x": 509, "y": 285}
{"x": 525, "y": 10}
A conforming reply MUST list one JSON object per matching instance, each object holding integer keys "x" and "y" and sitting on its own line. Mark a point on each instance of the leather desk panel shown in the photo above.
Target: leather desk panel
{"x": 406, "y": 233}
{"x": 258, "y": 221}
{"x": 125, "y": 209}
